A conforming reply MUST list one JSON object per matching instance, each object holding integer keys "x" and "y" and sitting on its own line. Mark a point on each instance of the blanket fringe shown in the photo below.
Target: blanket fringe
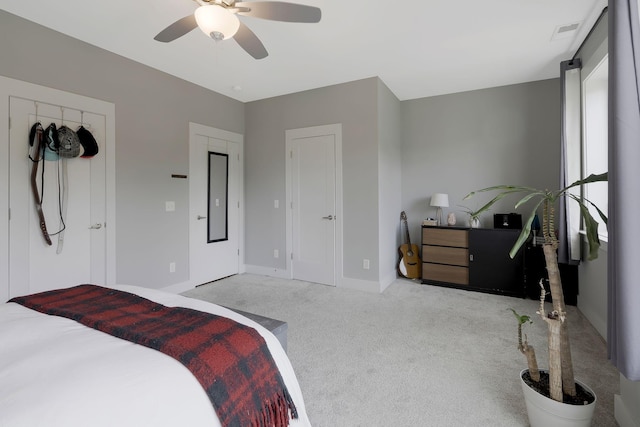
{"x": 277, "y": 413}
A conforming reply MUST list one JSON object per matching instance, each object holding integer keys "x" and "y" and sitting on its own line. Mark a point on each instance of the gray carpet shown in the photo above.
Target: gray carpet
{"x": 415, "y": 355}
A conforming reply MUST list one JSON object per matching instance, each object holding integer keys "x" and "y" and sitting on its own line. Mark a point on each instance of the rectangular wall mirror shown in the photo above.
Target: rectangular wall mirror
{"x": 217, "y": 194}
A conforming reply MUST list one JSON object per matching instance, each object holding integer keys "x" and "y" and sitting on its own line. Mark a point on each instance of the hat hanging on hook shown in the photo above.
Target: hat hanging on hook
{"x": 51, "y": 142}
{"x": 88, "y": 142}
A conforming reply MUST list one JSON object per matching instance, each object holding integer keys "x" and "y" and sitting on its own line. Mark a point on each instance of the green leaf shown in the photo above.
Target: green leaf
{"x": 603, "y": 217}
{"x": 591, "y": 227}
{"x": 526, "y": 230}
{"x": 491, "y": 202}
{"x": 503, "y": 188}
{"x": 521, "y": 319}
{"x": 591, "y": 178}
{"x": 528, "y": 197}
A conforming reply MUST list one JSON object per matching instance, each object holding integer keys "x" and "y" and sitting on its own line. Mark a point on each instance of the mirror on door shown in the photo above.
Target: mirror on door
{"x": 217, "y": 194}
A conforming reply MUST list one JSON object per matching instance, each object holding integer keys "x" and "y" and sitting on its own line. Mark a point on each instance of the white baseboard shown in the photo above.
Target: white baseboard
{"x": 622, "y": 413}
{"x": 345, "y": 282}
{"x": 267, "y": 271}
{"x": 360, "y": 285}
{"x": 178, "y": 288}
{"x": 597, "y": 322}
{"x": 385, "y": 282}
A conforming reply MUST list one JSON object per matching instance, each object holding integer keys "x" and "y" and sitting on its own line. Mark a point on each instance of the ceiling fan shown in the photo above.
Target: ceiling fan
{"x": 218, "y": 20}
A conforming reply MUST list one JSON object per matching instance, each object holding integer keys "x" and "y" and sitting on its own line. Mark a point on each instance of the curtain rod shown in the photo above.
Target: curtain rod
{"x": 604, "y": 11}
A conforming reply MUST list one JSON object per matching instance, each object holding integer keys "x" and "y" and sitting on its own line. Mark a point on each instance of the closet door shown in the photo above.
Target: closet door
{"x": 78, "y": 252}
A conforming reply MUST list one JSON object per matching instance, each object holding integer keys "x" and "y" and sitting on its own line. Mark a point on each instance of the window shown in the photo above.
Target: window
{"x": 595, "y": 140}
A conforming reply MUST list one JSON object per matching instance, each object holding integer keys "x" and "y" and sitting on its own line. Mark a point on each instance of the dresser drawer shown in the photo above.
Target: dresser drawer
{"x": 445, "y": 255}
{"x": 445, "y": 273}
{"x": 445, "y": 237}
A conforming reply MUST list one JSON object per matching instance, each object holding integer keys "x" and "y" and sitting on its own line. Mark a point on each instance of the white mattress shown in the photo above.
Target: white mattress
{"x": 56, "y": 372}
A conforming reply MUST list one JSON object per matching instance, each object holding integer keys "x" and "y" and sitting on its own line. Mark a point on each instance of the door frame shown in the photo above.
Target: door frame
{"x": 290, "y": 136}
{"x": 212, "y": 132}
{"x": 20, "y": 89}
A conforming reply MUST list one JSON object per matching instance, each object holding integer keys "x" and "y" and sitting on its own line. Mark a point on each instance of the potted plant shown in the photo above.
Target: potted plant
{"x": 474, "y": 217}
{"x": 563, "y": 393}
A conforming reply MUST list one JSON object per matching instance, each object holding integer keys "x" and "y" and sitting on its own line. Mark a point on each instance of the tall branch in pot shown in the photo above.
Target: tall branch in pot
{"x": 560, "y": 361}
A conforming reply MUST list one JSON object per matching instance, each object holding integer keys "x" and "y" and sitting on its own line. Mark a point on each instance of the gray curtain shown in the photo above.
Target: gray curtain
{"x": 623, "y": 334}
{"x": 571, "y": 140}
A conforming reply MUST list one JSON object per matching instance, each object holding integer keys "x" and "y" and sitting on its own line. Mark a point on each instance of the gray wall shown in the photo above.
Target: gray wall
{"x": 454, "y": 143}
{"x": 463, "y": 142}
{"x": 396, "y": 154}
{"x": 153, "y": 111}
{"x": 354, "y": 105}
{"x": 389, "y": 182}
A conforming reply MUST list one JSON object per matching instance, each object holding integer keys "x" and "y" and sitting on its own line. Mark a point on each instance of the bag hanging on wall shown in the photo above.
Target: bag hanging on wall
{"x": 36, "y": 139}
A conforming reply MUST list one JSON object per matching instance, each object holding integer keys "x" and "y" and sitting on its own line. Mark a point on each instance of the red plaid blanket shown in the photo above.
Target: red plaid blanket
{"x": 231, "y": 361}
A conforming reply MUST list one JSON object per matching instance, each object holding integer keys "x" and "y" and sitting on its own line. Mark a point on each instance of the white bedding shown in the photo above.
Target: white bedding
{"x": 56, "y": 372}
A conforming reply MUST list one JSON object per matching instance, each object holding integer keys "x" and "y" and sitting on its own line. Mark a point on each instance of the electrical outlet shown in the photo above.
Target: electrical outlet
{"x": 365, "y": 264}
{"x": 172, "y": 267}
{"x": 276, "y": 204}
{"x": 276, "y": 253}
{"x": 169, "y": 206}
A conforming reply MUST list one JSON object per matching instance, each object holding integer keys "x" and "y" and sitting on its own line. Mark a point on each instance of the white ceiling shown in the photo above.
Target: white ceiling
{"x": 419, "y": 48}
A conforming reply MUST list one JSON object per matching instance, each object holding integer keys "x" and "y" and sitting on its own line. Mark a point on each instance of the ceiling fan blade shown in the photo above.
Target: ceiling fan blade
{"x": 281, "y": 11}
{"x": 250, "y": 42}
{"x": 177, "y": 29}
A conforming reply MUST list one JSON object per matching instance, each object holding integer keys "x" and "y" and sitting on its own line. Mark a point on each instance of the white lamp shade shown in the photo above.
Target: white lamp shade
{"x": 440, "y": 200}
{"x": 217, "y": 22}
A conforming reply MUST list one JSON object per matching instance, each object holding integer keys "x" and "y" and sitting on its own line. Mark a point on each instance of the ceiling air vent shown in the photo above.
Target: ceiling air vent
{"x": 565, "y": 31}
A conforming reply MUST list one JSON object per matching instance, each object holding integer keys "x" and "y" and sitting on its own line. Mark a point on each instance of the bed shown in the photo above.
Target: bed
{"x": 56, "y": 372}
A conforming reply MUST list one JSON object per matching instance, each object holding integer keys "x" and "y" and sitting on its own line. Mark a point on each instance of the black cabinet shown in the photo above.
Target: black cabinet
{"x": 478, "y": 259}
{"x": 490, "y": 267}
{"x": 536, "y": 270}
{"x": 472, "y": 258}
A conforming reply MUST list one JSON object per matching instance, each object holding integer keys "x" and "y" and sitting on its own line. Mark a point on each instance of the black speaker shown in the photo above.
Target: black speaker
{"x": 511, "y": 220}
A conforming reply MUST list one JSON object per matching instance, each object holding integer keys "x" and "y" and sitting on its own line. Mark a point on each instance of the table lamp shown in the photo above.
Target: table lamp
{"x": 440, "y": 200}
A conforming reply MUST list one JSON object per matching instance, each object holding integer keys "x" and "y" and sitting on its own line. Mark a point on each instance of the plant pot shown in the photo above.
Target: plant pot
{"x": 544, "y": 411}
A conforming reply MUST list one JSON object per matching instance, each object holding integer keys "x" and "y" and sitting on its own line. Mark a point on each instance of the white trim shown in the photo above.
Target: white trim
{"x": 290, "y": 135}
{"x": 361, "y": 285}
{"x": 622, "y": 414}
{"x": 11, "y": 87}
{"x": 573, "y": 141}
{"x": 594, "y": 318}
{"x": 178, "y": 288}
{"x": 595, "y": 134}
{"x": 267, "y": 271}
{"x": 385, "y": 282}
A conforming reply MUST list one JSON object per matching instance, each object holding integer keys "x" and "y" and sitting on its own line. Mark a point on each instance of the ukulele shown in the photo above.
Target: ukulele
{"x": 409, "y": 265}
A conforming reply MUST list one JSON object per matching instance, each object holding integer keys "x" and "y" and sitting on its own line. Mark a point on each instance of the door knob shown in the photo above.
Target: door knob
{"x": 201, "y": 217}
{"x": 330, "y": 217}
{"x": 96, "y": 226}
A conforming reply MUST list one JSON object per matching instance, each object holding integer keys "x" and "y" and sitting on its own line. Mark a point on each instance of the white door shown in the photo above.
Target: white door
{"x": 78, "y": 250}
{"x": 315, "y": 214}
{"x": 214, "y": 217}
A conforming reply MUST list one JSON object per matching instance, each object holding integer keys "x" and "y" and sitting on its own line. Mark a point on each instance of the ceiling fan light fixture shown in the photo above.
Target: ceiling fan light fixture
{"x": 217, "y": 22}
